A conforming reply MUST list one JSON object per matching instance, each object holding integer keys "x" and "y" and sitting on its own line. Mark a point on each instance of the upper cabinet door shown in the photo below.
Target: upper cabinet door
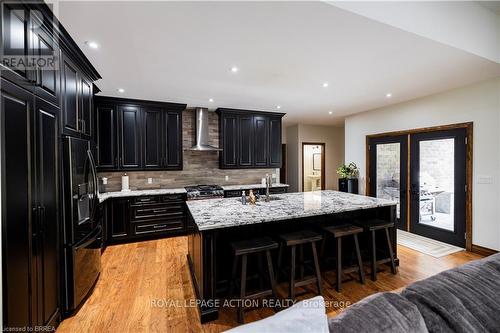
{"x": 246, "y": 140}
{"x": 106, "y": 137}
{"x": 86, "y": 107}
{"x": 275, "y": 142}
{"x": 129, "y": 137}
{"x": 44, "y": 48}
{"x": 229, "y": 139}
{"x": 16, "y": 45}
{"x": 173, "y": 126}
{"x": 153, "y": 138}
{"x": 69, "y": 106}
{"x": 261, "y": 135}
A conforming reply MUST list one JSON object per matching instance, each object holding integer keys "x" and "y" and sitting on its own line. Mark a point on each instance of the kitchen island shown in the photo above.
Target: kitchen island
{"x": 214, "y": 224}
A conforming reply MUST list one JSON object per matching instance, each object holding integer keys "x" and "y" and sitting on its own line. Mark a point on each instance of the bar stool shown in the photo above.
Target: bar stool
{"x": 338, "y": 232}
{"x": 371, "y": 226}
{"x": 243, "y": 249}
{"x": 301, "y": 238}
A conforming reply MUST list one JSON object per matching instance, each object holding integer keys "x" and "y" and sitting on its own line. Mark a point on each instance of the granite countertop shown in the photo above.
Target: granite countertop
{"x": 135, "y": 193}
{"x": 249, "y": 186}
{"x": 229, "y": 212}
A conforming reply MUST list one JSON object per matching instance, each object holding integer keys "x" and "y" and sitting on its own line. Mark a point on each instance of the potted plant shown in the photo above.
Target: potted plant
{"x": 348, "y": 181}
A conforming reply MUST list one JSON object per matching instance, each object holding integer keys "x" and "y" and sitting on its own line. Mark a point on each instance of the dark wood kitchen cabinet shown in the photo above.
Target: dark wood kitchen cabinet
{"x": 129, "y": 137}
{"x": 138, "y": 135}
{"x": 31, "y": 120}
{"x": 118, "y": 221}
{"x": 76, "y": 101}
{"x": 31, "y": 220}
{"x": 249, "y": 139}
{"x": 142, "y": 217}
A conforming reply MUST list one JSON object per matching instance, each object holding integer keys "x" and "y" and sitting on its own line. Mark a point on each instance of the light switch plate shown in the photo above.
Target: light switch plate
{"x": 150, "y": 180}
{"x": 226, "y": 178}
{"x": 484, "y": 179}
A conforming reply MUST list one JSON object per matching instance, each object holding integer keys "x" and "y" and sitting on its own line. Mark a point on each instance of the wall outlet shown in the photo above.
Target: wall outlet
{"x": 226, "y": 178}
{"x": 150, "y": 180}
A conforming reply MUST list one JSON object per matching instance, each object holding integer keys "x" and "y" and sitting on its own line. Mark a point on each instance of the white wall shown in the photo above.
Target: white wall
{"x": 478, "y": 103}
{"x": 333, "y": 137}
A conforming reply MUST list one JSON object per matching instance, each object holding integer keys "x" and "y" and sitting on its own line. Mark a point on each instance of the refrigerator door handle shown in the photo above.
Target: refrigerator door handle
{"x": 94, "y": 180}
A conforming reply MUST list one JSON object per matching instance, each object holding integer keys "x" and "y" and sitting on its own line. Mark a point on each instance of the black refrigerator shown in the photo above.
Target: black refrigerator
{"x": 82, "y": 231}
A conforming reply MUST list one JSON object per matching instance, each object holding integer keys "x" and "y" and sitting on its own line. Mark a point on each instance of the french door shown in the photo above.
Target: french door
{"x": 438, "y": 185}
{"x": 425, "y": 172}
{"x": 388, "y": 172}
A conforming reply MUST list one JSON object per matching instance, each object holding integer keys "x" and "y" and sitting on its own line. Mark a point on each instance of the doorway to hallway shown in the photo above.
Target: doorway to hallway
{"x": 313, "y": 166}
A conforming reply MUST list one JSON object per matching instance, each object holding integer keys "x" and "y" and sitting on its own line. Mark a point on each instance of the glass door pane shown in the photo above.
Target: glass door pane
{"x": 437, "y": 188}
{"x": 388, "y": 174}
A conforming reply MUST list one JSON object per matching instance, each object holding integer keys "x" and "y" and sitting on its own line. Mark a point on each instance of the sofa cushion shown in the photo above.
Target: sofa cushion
{"x": 307, "y": 316}
{"x": 382, "y": 312}
{"x": 463, "y": 299}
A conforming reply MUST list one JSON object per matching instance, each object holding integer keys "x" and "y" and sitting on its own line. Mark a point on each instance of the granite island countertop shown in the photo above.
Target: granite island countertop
{"x": 229, "y": 212}
{"x": 249, "y": 186}
{"x": 135, "y": 193}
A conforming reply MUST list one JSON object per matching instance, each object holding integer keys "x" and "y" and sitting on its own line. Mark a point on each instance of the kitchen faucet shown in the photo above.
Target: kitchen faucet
{"x": 268, "y": 181}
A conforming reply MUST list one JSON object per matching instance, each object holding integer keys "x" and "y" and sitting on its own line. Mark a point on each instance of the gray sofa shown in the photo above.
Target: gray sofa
{"x": 463, "y": 299}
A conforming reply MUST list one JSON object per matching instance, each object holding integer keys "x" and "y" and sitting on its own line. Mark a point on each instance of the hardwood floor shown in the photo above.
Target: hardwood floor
{"x": 143, "y": 288}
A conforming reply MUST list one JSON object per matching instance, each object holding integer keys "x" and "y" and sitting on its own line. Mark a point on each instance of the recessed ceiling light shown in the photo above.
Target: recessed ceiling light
{"x": 325, "y": 84}
{"x": 234, "y": 69}
{"x": 92, "y": 45}
{"x": 388, "y": 95}
{"x": 121, "y": 90}
{"x": 278, "y": 106}
{"x": 330, "y": 112}
{"x": 211, "y": 100}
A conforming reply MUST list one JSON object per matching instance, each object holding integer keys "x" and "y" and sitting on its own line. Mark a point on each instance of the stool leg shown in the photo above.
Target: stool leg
{"x": 374, "y": 256}
{"x": 360, "y": 262}
{"x": 318, "y": 271}
{"x": 233, "y": 276}
{"x": 243, "y": 286}
{"x": 391, "y": 253}
{"x": 292, "y": 274}
{"x": 278, "y": 266}
{"x": 323, "y": 246}
{"x": 339, "y": 263}
{"x": 301, "y": 260}
{"x": 271, "y": 273}
{"x": 261, "y": 269}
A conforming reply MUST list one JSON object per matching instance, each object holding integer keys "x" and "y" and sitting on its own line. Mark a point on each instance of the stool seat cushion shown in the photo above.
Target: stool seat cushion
{"x": 344, "y": 229}
{"x": 376, "y": 224}
{"x": 300, "y": 237}
{"x": 254, "y": 245}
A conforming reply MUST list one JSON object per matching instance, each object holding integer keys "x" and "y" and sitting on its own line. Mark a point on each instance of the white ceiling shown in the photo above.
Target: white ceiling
{"x": 183, "y": 52}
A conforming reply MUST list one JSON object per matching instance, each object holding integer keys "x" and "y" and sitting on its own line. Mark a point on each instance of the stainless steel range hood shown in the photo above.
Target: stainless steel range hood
{"x": 201, "y": 143}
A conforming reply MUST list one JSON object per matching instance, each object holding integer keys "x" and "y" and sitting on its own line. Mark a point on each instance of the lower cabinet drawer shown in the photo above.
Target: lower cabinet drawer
{"x": 165, "y": 226}
{"x": 156, "y": 212}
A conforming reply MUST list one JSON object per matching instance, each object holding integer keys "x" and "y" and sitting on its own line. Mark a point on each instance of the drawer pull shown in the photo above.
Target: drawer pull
{"x": 144, "y": 200}
{"x": 157, "y": 226}
{"x": 159, "y": 210}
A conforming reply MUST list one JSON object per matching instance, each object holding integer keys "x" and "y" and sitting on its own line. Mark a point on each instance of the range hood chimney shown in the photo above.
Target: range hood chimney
{"x": 201, "y": 143}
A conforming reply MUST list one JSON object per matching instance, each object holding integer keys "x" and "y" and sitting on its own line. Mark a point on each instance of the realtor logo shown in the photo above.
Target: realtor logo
{"x": 27, "y": 43}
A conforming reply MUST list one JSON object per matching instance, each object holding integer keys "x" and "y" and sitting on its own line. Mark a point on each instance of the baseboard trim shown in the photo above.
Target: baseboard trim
{"x": 484, "y": 251}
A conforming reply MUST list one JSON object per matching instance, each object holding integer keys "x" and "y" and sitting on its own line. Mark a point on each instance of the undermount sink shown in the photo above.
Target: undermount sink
{"x": 262, "y": 198}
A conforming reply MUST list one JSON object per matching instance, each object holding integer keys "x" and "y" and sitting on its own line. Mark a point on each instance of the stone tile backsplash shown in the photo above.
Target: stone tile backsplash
{"x": 199, "y": 167}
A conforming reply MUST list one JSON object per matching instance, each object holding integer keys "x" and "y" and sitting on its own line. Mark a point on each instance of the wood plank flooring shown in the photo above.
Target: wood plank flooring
{"x": 144, "y": 286}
